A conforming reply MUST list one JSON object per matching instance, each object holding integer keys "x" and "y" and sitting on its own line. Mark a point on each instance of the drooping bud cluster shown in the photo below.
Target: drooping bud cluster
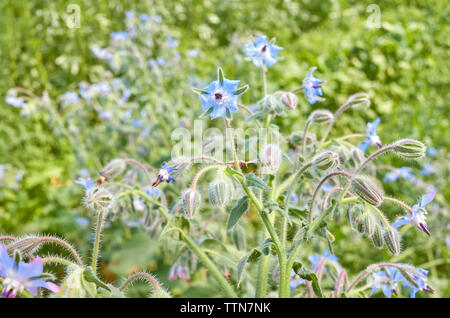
{"x": 321, "y": 117}
{"x": 98, "y": 199}
{"x": 113, "y": 169}
{"x": 409, "y": 148}
{"x": 367, "y": 191}
{"x": 325, "y": 160}
{"x": 191, "y": 202}
{"x": 220, "y": 192}
{"x": 271, "y": 157}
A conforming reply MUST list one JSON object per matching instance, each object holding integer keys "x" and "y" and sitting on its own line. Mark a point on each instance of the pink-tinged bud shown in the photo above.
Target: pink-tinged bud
{"x": 271, "y": 157}
{"x": 290, "y": 100}
{"x": 191, "y": 202}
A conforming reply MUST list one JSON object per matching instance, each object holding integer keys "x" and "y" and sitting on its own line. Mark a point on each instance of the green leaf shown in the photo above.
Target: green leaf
{"x": 174, "y": 226}
{"x": 252, "y": 257}
{"x": 237, "y": 211}
{"x": 220, "y": 75}
{"x": 304, "y": 273}
{"x": 253, "y": 181}
{"x": 206, "y": 113}
{"x": 241, "y": 90}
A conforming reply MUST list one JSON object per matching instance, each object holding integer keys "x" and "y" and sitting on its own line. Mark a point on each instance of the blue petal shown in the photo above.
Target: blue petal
{"x": 400, "y": 222}
{"x": 427, "y": 198}
{"x": 230, "y": 86}
{"x": 218, "y": 111}
{"x": 206, "y": 100}
{"x": 386, "y": 290}
{"x": 270, "y": 61}
{"x": 274, "y": 49}
{"x": 250, "y": 50}
{"x": 261, "y": 40}
{"x": 33, "y": 269}
{"x": 257, "y": 61}
{"x": 364, "y": 145}
{"x": 211, "y": 87}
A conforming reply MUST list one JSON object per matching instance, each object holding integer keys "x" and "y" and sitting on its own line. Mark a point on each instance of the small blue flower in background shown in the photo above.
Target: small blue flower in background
{"x": 144, "y": 133}
{"x": 262, "y": 51}
{"x": 295, "y": 280}
{"x": 315, "y": 259}
{"x": 86, "y": 183}
{"x": 312, "y": 87}
{"x": 177, "y": 271}
{"x": 18, "y": 276}
{"x": 387, "y": 283}
{"x": 103, "y": 88}
{"x": 403, "y": 172}
{"x": 161, "y": 61}
{"x": 144, "y": 17}
{"x": 293, "y": 198}
{"x": 326, "y": 187}
{"x": 427, "y": 170}
{"x": 447, "y": 241}
{"x": 192, "y": 53}
{"x": 129, "y": 15}
{"x": 126, "y": 95}
{"x": 119, "y": 35}
{"x": 126, "y": 115}
{"x": 105, "y": 115}
{"x": 2, "y": 172}
{"x": 102, "y": 54}
{"x": 418, "y": 217}
{"x": 152, "y": 192}
{"x": 157, "y": 18}
{"x": 19, "y": 176}
{"x": 83, "y": 222}
{"x": 372, "y": 137}
{"x": 171, "y": 42}
{"x": 164, "y": 175}
{"x": 431, "y": 151}
{"x": 17, "y": 102}
{"x": 219, "y": 97}
{"x": 69, "y": 98}
{"x": 420, "y": 281}
{"x": 137, "y": 122}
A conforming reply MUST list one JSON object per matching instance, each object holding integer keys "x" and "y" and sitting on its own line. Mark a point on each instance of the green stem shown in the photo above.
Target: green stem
{"x": 261, "y": 281}
{"x": 210, "y": 265}
{"x": 97, "y": 241}
{"x": 291, "y": 180}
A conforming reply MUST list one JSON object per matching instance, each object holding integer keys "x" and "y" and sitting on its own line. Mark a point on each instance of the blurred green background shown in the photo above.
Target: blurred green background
{"x": 403, "y": 65}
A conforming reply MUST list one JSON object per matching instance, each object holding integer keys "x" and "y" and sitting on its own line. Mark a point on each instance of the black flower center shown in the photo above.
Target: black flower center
{"x": 264, "y": 48}
{"x": 218, "y": 96}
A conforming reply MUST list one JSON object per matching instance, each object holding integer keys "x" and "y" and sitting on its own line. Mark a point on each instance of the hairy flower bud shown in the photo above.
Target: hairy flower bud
{"x": 354, "y": 211}
{"x": 271, "y": 157}
{"x": 181, "y": 164}
{"x": 359, "y": 100}
{"x": 409, "y": 148}
{"x": 220, "y": 192}
{"x": 289, "y": 99}
{"x": 326, "y": 160}
{"x": 377, "y": 235}
{"x": 191, "y": 202}
{"x": 321, "y": 117}
{"x": 113, "y": 169}
{"x": 98, "y": 199}
{"x": 367, "y": 191}
{"x": 392, "y": 238}
{"x": 76, "y": 286}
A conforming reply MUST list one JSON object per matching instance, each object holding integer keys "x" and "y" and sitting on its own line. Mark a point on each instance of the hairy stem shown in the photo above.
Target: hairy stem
{"x": 96, "y": 246}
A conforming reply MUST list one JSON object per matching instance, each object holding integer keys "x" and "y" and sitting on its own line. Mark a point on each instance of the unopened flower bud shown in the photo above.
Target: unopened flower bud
{"x": 220, "y": 192}
{"x": 98, "y": 199}
{"x": 271, "y": 157}
{"x": 113, "y": 169}
{"x": 354, "y": 211}
{"x": 366, "y": 224}
{"x": 191, "y": 202}
{"x": 409, "y": 148}
{"x": 367, "y": 191}
{"x": 290, "y": 100}
{"x": 326, "y": 160}
{"x": 359, "y": 100}
{"x": 392, "y": 238}
{"x": 321, "y": 117}
{"x": 179, "y": 164}
{"x": 377, "y": 236}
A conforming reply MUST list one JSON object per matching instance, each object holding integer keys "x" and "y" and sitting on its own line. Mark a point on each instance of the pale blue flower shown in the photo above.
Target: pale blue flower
{"x": 315, "y": 259}
{"x": 161, "y": 61}
{"x": 136, "y": 122}
{"x": 102, "y": 54}
{"x": 164, "y": 175}
{"x": 171, "y": 42}
{"x": 119, "y": 36}
{"x": 312, "y": 87}
{"x": 431, "y": 151}
{"x": 418, "y": 217}
{"x": 86, "y": 183}
{"x": 18, "y": 276}
{"x": 293, "y": 198}
{"x": 192, "y": 53}
{"x": 220, "y": 97}
{"x": 83, "y": 222}
{"x": 105, "y": 115}
{"x": 126, "y": 95}
{"x": 295, "y": 280}
{"x": 387, "y": 282}
{"x": 69, "y": 98}
{"x": 372, "y": 137}
{"x": 129, "y": 15}
{"x": 427, "y": 170}
{"x": 420, "y": 281}
{"x": 17, "y": 102}
{"x": 152, "y": 192}
{"x": 262, "y": 51}
{"x": 403, "y": 172}
{"x": 144, "y": 17}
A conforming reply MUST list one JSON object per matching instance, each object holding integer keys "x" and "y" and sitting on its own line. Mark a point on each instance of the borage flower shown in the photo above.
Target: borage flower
{"x": 403, "y": 172}
{"x": 417, "y": 218}
{"x": 219, "y": 98}
{"x": 316, "y": 259}
{"x": 164, "y": 175}
{"x": 177, "y": 271}
{"x": 295, "y": 280}
{"x": 312, "y": 87}
{"x": 386, "y": 282}
{"x": 262, "y": 51}
{"x": 18, "y": 276}
{"x": 421, "y": 283}
{"x": 372, "y": 137}
{"x": 86, "y": 183}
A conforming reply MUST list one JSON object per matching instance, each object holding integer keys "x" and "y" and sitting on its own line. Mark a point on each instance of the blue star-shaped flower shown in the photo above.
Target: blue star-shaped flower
{"x": 262, "y": 51}
{"x": 18, "y": 276}
{"x": 372, "y": 137}
{"x": 164, "y": 175}
{"x": 315, "y": 259}
{"x": 420, "y": 281}
{"x": 312, "y": 87}
{"x": 403, "y": 172}
{"x": 86, "y": 183}
{"x": 220, "y": 97}
{"x": 386, "y": 282}
{"x": 418, "y": 216}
